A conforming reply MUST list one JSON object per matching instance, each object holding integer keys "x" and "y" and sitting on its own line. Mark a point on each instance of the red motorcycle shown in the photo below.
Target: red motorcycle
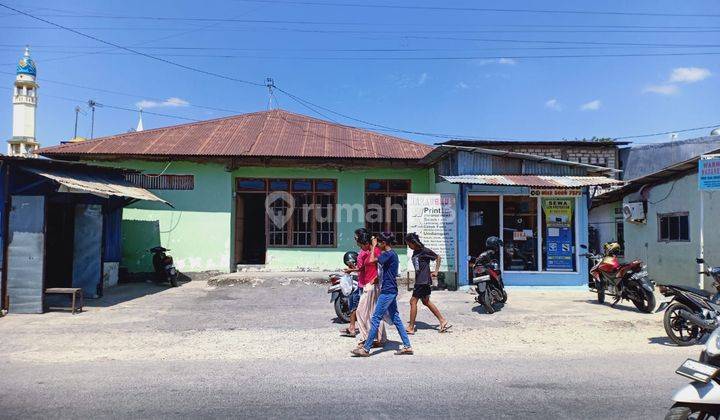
{"x": 626, "y": 281}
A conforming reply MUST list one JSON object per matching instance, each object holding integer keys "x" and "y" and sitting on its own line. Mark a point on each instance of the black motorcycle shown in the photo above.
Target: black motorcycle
{"x": 487, "y": 276}
{"x": 691, "y": 312}
{"x": 163, "y": 265}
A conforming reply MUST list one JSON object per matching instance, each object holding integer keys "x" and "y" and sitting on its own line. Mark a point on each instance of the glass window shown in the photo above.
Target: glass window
{"x": 302, "y": 185}
{"x": 386, "y": 206}
{"x": 249, "y": 185}
{"x": 279, "y": 185}
{"x": 558, "y": 219}
{"x": 520, "y": 233}
{"x": 673, "y": 227}
{"x": 325, "y": 185}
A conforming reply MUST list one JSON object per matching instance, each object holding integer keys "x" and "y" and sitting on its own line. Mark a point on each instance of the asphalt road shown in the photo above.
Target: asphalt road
{"x": 273, "y": 352}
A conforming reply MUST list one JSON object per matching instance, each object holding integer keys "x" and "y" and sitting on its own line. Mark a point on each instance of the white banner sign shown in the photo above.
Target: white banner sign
{"x": 433, "y": 218}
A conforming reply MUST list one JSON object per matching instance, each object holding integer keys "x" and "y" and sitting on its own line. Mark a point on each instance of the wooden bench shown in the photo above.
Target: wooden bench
{"x": 75, "y": 292}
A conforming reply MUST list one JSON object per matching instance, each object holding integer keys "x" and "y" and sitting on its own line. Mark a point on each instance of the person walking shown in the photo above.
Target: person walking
{"x": 387, "y": 301}
{"x": 369, "y": 283}
{"x": 421, "y": 258}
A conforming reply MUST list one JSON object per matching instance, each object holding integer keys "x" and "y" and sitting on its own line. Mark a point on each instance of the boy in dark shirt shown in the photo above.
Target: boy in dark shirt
{"x": 421, "y": 258}
{"x": 387, "y": 301}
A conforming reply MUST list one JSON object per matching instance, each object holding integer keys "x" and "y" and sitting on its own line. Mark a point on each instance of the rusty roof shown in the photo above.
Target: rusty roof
{"x": 539, "y": 181}
{"x": 274, "y": 133}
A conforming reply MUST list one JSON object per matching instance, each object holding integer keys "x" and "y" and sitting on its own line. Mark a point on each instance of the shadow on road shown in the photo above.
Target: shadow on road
{"x": 619, "y": 307}
{"x": 129, "y": 291}
{"x": 481, "y": 309}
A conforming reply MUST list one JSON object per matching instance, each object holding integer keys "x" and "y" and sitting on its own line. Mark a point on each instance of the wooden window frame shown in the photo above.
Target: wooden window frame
{"x": 661, "y": 216}
{"x": 399, "y": 236}
{"x": 313, "y": 192}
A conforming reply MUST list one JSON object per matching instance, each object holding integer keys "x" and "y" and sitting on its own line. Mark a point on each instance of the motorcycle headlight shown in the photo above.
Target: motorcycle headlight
{"x": 712, "y": 346}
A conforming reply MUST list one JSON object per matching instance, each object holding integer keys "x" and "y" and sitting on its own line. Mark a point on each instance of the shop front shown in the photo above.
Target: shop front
{"x": 538, "y": 206}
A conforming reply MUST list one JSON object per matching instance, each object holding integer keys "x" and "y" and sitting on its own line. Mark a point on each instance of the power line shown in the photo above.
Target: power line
{"x": 479, "y": 9}
{"x": 152, "y": 57}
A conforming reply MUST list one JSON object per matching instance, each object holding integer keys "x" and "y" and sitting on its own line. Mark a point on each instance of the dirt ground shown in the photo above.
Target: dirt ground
{"x": 556, "y": 350}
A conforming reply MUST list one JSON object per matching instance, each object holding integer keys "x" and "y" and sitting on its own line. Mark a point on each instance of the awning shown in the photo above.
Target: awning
{"x": 538, "y": 181}
{"x": 95, "y": 183}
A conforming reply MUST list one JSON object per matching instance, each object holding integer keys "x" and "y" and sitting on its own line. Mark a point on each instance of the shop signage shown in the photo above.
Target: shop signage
{"x": 433, "y": 218}
{"x": 558, "y": 219}
{"x": 556, "y": 192}
{"x": 709, "y": 172}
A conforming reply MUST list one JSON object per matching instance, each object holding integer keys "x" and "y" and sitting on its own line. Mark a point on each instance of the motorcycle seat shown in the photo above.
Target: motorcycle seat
{"x": 701, "y": 292}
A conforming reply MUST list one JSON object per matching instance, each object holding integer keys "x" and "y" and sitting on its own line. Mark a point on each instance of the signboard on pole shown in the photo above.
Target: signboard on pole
{"x": 709, "y": 172}
{"x": 433, "y": 218}
{"x": 558, "y": 218}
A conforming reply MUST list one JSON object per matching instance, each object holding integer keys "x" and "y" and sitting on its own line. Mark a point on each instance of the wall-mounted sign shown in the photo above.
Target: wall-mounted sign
{"x": 709, "y": 172}
{"x": 558, "y": 218}
{"x": 555, "y": 192}
{"x": 433, "y": 218}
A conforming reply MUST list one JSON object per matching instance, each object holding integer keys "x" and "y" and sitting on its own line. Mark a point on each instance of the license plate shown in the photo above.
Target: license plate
{"x": 697, "y": 371}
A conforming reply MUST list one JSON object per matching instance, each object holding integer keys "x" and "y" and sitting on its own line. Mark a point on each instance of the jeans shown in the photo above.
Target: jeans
{"x": 386, "y": 303}
{"x": 353, "y": 299}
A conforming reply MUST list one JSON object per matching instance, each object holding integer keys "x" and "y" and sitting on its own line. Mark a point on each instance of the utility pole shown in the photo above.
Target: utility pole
{"x": 92, "y": 104}
{"x": 270, "y": 83}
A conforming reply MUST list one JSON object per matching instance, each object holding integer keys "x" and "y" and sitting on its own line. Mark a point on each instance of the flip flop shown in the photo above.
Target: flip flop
{"x": 414, "y": 330}
{"x": 445, "y": 328}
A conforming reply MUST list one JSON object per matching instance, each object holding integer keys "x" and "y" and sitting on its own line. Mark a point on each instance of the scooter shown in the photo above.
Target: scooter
{"x": 163, "y": 265}
{"x": 700, "y": 399}
{"x": 624, "y": 281}
{"x": 342, "y": 285}
{"x": 691, "y": 312}
{"x": 487, "y": 276}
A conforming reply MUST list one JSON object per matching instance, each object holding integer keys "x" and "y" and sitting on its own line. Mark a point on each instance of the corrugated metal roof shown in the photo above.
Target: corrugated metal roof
{"x": 94, "y": 184}
{"x": 533, "y": 180}
{"x": 275, "y": 133}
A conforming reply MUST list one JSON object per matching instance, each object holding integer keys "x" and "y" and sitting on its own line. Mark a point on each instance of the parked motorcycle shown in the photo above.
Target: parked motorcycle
{"x": 700, "y": 399}
{"x": 487, "y": 276}
{"x": 624, "y": 281}
{"x": 163, "y": 265}
{"x": 342, "y": 285}
{"x": 691, "y": 312}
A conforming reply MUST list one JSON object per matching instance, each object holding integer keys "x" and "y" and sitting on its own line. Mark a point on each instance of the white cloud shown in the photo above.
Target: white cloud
{"x": 661, "y": 89}
{"x": 422, "y": 79}
{"x": 462, "y": 85}
{"x": 689, "y": 75}
{"x": 172, "y": 102}
{"x": 501, "y": 61}
{"x": 553, "y": 104}
{"x": 591, "y": 106}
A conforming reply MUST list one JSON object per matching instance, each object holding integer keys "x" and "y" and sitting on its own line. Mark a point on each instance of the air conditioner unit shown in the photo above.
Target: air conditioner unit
{"x": 634, "y": 212}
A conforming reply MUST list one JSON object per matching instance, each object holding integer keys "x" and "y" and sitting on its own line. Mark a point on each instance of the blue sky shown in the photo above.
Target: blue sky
{"x": 336, "y": 56}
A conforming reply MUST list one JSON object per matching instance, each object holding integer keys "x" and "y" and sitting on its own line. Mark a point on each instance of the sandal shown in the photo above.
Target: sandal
{"x": 345, "y": 332}
{"x": 404, "y": 351}
{"x": 360, "y": 352}
{"x": 378, "y": 345}
{"x": 445, "y": 328}
{"x": 411, "y": 332}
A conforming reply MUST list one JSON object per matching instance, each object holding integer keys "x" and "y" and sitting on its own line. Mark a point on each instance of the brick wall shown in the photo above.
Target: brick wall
{"x": 600, "y": 156}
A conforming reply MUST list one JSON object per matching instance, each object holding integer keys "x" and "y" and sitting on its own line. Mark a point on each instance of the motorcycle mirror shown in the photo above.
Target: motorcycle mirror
{"x": 700, "y": 260}
{"x": 583, "y": 246}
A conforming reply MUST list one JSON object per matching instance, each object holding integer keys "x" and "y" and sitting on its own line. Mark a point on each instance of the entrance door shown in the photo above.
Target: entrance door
{"x": 250, "y": 236}
{"x": 483, "y": 221}
{"x": 26, "y": 250}
{"x": 60, "y": 238}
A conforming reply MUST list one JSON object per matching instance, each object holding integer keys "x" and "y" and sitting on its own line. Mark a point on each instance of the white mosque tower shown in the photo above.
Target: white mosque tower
{"x": 23, "y": 142}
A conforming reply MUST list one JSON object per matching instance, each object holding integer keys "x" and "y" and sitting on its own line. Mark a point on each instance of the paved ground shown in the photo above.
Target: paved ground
{"x": 272, "y": 350}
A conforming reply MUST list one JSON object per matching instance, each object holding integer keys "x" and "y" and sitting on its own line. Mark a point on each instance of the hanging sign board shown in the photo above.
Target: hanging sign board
{"x": 558, "y": 218}
{"x": 709, "y": 172}
{"x": 433, "y": 218}
{"x": 555, "y": 192}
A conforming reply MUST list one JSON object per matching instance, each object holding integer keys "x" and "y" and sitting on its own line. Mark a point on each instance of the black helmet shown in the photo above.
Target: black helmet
{"x": 350, "y": 258}
{"x": 493, "y": 242}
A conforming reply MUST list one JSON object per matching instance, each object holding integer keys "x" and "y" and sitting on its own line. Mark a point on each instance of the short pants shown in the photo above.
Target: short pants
{"x": 421, "y": 291}
{"x": 354, "y": 299}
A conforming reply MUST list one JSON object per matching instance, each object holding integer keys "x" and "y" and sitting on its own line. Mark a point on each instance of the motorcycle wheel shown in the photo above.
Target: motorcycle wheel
{"x": 647, "y": 304}
{"x": 680, "y": 411}
{"x": 486, "y": 301}
{"x": 600, "y": 291}
{"x": 341, "y": 308}
{"x": 678, "y": 330}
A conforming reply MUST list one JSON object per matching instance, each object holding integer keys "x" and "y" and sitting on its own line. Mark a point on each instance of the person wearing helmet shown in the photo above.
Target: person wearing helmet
{"x": 612, "y": 248}
{"x": 387, "y": 301}
{"x": 350, "y": 259}
{"x": 421, "y": 258}
{"x": 369, "y": 287}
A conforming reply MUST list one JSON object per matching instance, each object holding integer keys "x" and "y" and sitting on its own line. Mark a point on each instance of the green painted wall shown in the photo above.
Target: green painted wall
{"x": 199, "y": 230}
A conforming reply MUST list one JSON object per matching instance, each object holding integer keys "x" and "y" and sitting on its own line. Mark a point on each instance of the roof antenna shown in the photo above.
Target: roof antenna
{"x": 270, "y": 83}
{"x": 92, "y": 104}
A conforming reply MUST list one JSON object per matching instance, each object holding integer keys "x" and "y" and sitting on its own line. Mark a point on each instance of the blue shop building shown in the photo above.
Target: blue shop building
{"x": 537, "y": 205}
